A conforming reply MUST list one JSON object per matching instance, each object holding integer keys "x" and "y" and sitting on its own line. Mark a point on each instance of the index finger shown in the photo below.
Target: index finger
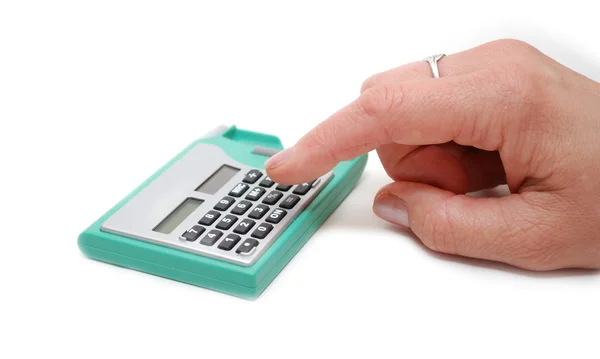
{"x": 418, "y": 112}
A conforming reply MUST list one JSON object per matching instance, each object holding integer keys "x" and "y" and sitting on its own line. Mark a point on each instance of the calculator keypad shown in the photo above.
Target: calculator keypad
{"x": 240, "y": 222}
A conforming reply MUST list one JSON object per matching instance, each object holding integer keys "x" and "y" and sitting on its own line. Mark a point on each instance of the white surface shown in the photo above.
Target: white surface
{"x": 95, "y": 96}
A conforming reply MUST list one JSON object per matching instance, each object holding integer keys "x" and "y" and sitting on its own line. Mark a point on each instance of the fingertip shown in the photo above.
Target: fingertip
{"x": 391, "y": 209}
{"x": 277, "y": 166}
{"x": 279, "y": 159}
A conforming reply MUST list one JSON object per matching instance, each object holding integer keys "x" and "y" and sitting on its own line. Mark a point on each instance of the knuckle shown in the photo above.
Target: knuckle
{"x": 369, "y": 82}
{"x": 524, "y": 86}
{"x": 513, "y": 47}
{"x": 377, "y": 102}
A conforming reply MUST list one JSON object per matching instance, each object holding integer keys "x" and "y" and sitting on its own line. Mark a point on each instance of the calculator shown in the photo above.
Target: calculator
{"x": 211, "y": 217}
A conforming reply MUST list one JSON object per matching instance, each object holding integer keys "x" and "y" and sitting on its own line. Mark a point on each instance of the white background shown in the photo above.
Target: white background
{"x": 95, "y": 96}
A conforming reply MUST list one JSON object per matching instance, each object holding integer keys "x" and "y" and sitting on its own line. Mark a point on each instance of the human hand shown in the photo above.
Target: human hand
{"x": 500, "y": 113}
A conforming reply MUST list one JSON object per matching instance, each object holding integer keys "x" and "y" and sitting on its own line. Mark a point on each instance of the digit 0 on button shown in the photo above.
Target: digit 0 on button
{"x": 261, "y": 231}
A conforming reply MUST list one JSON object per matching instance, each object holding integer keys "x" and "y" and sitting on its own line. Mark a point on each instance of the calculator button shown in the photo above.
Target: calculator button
{"x": 211, "y": 237}
{"x": 225, "y": 203}
{"x": 303, "y": 188}
{"x": 252, "y": 176}
{"x": 272, "y": 197}
{"x": 193, "y": 233}
{"x": 282, "y": 187}
{"x": 226, "y": 222}
{"x": 258, "y": 212}
{"x": 256, "y": 193}
{"x": 229, "y": 242}
{"x": 289, "y": 202}
{"x": 244, "y": 226}
{"x": 241, "y": 207}
{"x": 261, "y": 231}
{"x": 266, "y": 182}
{"x": 209, "y": 218}
{"x": 247, "y": 247}
{"x": 276, "y": 215}
{"x": 239, "y": 189}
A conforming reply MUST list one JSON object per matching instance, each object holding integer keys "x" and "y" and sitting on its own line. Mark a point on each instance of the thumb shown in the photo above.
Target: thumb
{"x": 505, "y": 229}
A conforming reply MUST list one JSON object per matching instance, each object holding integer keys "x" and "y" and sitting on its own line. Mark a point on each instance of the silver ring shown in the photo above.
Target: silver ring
{"x": 433, "y": 60}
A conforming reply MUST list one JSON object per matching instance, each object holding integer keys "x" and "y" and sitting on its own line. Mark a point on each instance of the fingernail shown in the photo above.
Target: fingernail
{"x": 391, "y": 209}
{"x": 279, "y": 158}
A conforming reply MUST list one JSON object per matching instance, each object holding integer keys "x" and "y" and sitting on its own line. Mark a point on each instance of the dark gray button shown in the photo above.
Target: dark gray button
{"x": 272, "y": 197}
{"x": 247, "y": 247}
{"x": 289, "y": 202}
{"x": 239, "y": 189}
{"x": 283, "y": 187}
{"x": 227, "y": 222}
{"x": 258, "y": 212}
{"x": 225, "y": 203}
{"x": 264, "y": 151}
{"x": 276, "y": 215}
{"x": 256, "y": 193}
{"x": 211, "y": 237}
{"x": 303, "y": 188}
{"x": 241, "y": 207}
{"x": 245, "y": 225}
{"x": 267, "y": 182}
{"x": 261, "y": 231}
{"x": 229, "y": 242}
{"x": 252, "y": 176}
{"x": 193, "y": 233}
{"x": 209, "y": 218}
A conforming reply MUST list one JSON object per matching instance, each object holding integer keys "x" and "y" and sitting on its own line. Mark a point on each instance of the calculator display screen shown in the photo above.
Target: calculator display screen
{"x": 178, "y": 215}
{"x": 217, "y": 179}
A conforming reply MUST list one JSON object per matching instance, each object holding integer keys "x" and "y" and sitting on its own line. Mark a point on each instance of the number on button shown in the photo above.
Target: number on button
{"x": 244, "y": 226}
{"x": 227, "y": 222}
{"x": 261, "y": 231}
{"x": 241, "y": 207}
{"x": 209, "y": 218}
{"x": 258, "y": 212}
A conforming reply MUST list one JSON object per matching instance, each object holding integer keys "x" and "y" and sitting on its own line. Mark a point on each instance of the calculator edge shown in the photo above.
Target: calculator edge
{"x": 196, "y": 270}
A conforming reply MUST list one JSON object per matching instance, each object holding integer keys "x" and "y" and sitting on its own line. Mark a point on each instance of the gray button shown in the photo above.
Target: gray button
{"x": 264, "y": 151}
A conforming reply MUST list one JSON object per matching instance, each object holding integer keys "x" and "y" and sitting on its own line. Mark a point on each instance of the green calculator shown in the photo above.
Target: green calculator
{"x": 211, "y": 217}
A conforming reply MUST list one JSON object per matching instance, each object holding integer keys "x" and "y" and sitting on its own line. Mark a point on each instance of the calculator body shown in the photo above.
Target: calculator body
{"x": 211, "y": 217}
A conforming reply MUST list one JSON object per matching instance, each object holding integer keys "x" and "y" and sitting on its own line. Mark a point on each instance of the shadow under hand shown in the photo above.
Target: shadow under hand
{"x": 481, "y": 263}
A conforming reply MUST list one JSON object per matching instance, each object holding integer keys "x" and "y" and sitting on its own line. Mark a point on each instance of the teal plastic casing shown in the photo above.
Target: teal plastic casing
{"x": 242, "y": 281}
